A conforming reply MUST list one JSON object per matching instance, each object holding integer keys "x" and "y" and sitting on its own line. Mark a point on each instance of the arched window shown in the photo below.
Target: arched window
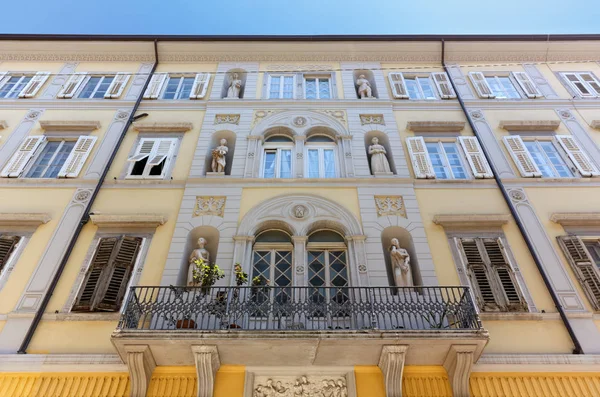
{"x": 320, "y": 157}
{"x": 277, "y": 157}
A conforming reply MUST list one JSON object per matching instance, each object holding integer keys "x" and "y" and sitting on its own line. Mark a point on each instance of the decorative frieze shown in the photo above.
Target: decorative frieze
{"x": 302, "y": 386}
{"x": 209, "y": 205}
{"x": 372, "y": 119}
{"x": 390, "y": 205}
{"x": 227, "y": 119}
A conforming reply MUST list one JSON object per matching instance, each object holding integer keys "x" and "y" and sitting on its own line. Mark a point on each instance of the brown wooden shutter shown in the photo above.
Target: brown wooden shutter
{"x": 7, "y": 247}
{"x": 584, "y": 267}
{"x": 501, "y": 267}
{"x": 478, "y": 274}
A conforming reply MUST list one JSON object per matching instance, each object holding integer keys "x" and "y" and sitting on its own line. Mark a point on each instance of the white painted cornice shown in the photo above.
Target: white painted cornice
{"x": 435, "y": 126}
{"x": 471, "y": 220}
{"x": 128, "y": 220}
{"x": 576, "y": 218}
{"x": 24, "y": 219}
{"x": 162, "y": 127}
{"x": 529, "y": 125}
{"x": 69, "y": 125}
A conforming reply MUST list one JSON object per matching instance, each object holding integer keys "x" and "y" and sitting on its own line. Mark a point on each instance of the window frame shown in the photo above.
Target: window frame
{"x": 178, "y": 91}
{"x": 507, "y": 75}
{"x": 592, "y": 92}
{"x": 318, "y": 77}
{"x": 21, "y": 76}
{"x": 416, "y": 77}
{"x": 321, "y": 147}
{"x": 559, "y": 150}
{"x": 277, "y": 147}
{"x": 35, "y": 156}
{"x": 281, "y": 76}
{"x": 169, "y": 161}
{"x": 13, "y": 258}
{"x": 461, "y": 155}
{"x": 82, "y": 86}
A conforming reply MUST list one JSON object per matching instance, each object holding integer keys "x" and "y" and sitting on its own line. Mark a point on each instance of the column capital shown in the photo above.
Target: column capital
{"x": 299, "y": 137}
{"x": 299, "y": 239}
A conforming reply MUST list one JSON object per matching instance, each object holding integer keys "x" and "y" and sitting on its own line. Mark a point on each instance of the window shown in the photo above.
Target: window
{"x": 583, "y": 254}
{"x": 107, "y": 277}
{"x": 585, "y": 84}
{"x": 320, "y": 157}
{"x": 51, "y": 159}
{"x": 490, "y": 274}
{"x": 446, "y": 160}
{"x": 277, "y": 157}
{"x": 8, "y": 245}
{"x": 152, "y": 158}
{"x": 421, "y": 86}
{"x": 96, "y": 87}
{"x": 502, "y": 85}
{"x": 13, "y": 86}
{"x": 548, "y": 160}
{"x": 281, "y": 86}
{"x": 317, "y": 87}
{"x": 21, "y": 85}
{"x": 168, "y": 86}
{"x": 178, "y": 88}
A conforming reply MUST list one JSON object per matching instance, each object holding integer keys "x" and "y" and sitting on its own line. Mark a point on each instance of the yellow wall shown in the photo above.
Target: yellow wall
{"x": 369, "y": 381}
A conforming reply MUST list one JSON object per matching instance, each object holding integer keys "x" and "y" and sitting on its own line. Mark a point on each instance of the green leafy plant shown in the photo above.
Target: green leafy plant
{"x": 241, "y": 277}
{"x": 207, "y": 275}
{"x": 260, "y": 280}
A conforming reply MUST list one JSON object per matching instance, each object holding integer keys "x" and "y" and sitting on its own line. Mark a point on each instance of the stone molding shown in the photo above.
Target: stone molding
{"x": 140, "y": 364}
{"x": 128, "y": 220}
{"x": 391, "y": 363}
{"x": 595, "y": 124}
{"x": 206, "y": 358}
{"x": 471, "y": 220}
{"x": 24, "y": 219}
{"x": 69, "y": 125}
{"x": 162, "y": 127}
{"x": 529, "y": 125}
{"x": 458, "y": 365}
{"x": 435, "y": 126}
{"x": 576, "y": 218}
{"x": 61, "y": 363}
{"x": 533, "y": 359}
{"x": 3, "y": 124}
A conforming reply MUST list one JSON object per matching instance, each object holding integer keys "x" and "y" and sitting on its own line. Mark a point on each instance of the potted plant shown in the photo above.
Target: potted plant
{"x": 241, "y": 277}
{"x": 206, "y": 275}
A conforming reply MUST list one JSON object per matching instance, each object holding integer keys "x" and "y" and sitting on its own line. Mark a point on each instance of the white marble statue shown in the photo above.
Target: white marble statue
{"x": 401, "y": 265}
{"x": 197, "y": 254}
{"x": 364, "y": 87}
{"x": 379, "y": 162}
{"x": 218, "y": 156}
{"x": 235, "y": 85}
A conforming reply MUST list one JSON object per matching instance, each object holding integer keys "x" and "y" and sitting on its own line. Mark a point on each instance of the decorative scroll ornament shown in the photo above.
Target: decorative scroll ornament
{"x": 317, "y": 386}
{"x": 340, "y": 115}
{"x": 209, "y": 205}
{"x": 227, "y": 119}
{"x": 371, "y": 119}
{"x": 390, "y": 205}
{"x": 260, "y": 115}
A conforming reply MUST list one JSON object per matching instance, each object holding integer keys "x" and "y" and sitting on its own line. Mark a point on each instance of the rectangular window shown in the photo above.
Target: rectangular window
{"x": 281, "y": 86}
{"x": 548, "y": 160}
{"x": 277, "y": 163}
{"x": 152, "y": 158}
{"x": 51, "y": 159}
{"x": 320, "y": 163}
{"x": 317, "y": 87}
{"x": 13, "y": 86}
{"x": 583, "y": 254}
{"x": 96, "y": 87}
{"x": 419, "y": 87}
{"x": 446, "y": 160}
{"x": 8, "y": 245}
{"x": 502, "y": 87}
{"x": 178, "y": 87}
{"x": 584, "y": 83}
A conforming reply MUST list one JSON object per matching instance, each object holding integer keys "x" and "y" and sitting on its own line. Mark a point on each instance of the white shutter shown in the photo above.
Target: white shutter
{"x": 442, "y": 82}
{"x": 577, "y": 84}
{"x": 200, "y": 86}
{"x": 591, "y": 81}
{"x": 398, "y": 87}
{"x": 527, "y": 85}
{"x": 117, "y": 86}
{"x": 4, "y": 77}
{"x": 162, "y": 149}
{"x": 143, "y": 150}
{"x": 481, "y": 85}
{"x": 583, "y": 264}
{"x": 420, "y": 158}
{"x": 72, "y": 85}
{"x": 475, "y": 156}
{"x": 74, "y": 163}
{"x": 521, "y": 156}
{"x": 156, "y": 83}
{"x": 19, "y": 160}
{"x": 577, "y": 155}
{"x": 34, "y": 85}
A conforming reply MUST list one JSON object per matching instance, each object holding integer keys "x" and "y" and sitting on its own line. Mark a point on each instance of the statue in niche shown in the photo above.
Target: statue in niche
{"x": 379, "y": 162}
{"x": 364, "y": 87}
{"x": 218, "y": 156}
{"x": 235, "y": 86}
{"x": 400, "y": 264}
{"x": 197, "y": 254}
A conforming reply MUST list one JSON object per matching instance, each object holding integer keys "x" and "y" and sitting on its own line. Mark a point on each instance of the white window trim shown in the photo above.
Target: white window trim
{"x": 277, "y": 146}
{"x": 180, "y": 76}
{"x": 582, "y": 81}
{"x": 559, "y": 150}
{"x": 170, "y": 160}
{"x": 321, "y": 146}
{"x": 281, "y": 77}
{"x": 10, "y": 75}
{"x": 14, "y": 257}
{"x": 462, "y": 157}
{"x": 87, "y": 79}
{"x": 39, "y": 151}
{"x": 318, "y": 77}
{"x": 514, "y": 83}
{"x": 416, "y": 77}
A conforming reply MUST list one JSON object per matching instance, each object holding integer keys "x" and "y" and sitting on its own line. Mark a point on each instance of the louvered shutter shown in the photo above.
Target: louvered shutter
{"x": 4, "y": 77}
{"x": 7, "y": 247}
{"x": 72, "y": 85}
{"x": 527, "y": 85}
{"x": 481, "y": 85}
{"x": 200, "y": 86}
{"x": 442, "y": 82}
{"x": 19, "y": 160}
{"x": 521, "y": 156}
{"x": 398, "y": 87}
{"x": 162, "y": 149}
{"x": 420, "y": 158}
{"x": 117, "y": 86}
{"x": 74, "y": 163}
{"x": 577, "y": 84}
{"x": 34, "y": 85}
{"x": 156, "y": 83}
{"x": 498, "y": 258}
{"x": 583, "y": 265}
{"x": 577, "y": 155}
{"x": 478, "y": 274}
{"x": 591, "y": 81}
{"x": 144, "y": 149}
{"x": 120, "y": 272}
{"x": 475, "y": 157}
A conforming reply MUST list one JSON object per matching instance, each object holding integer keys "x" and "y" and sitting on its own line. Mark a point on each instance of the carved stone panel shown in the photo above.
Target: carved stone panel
{"x": 371, "y": 119}
{"x": 227, "y": 119}
{"x": 390, "y": 205}
{"x": 209, "y": 205}
{"x": 300, "y": 386}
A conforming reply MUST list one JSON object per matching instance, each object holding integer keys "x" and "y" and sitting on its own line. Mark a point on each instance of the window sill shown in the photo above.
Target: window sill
{"x": 81, "y": 316}
{"x": 47, "y": 181}
{"x": 518, "y": 316}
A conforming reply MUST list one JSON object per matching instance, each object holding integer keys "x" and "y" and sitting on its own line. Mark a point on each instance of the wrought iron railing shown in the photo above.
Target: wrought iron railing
{"x": 299, "y": 308}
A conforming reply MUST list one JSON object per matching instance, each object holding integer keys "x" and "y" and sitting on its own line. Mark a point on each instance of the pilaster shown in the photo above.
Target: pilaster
{"x": 458, "y": 365}
{"x": 491, "y": 144}
{"x": 59, "y": 80}
{"x": 391, "y": 363}
{"x": 135, "y": 89}
{"x": 580, "y": 134}
{"x": 207, "y": 362}
{"x": 140, "y": 364}
{"x": 299, "y": 156}
{"x": 107, "y": 144}
{"x": 300, "y": 276}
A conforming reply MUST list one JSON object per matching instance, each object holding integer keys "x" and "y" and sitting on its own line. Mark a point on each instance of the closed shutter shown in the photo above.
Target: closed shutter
{"x": 475, "y": 157}
{"x": 481, "y": 85}
{"x": 494, "y": 249}
{"x": 521, "y": 156}
{"x": 19, "y": 160}
{"x": 7, "y": 247}
{"x": 117, "y": 86}
{"x": 420, "y": 158}
{"x": 577, "y": 155}
{"x": 34, "y": 85}
{"x": 200, "y": 86}
{"x": 591, "y": 81}
{"x": 583, "y": 265}
{"x": 72, "y": 85}
{"x": 442, "y": 82}
{"x": 397, "y": 84}
{"x": 478, "y": 274}
{"x": 74, "y": 163}
{"x": 155, "y": 86}
{"x": 527, "y": 85}
{"x": 161, "y": 150}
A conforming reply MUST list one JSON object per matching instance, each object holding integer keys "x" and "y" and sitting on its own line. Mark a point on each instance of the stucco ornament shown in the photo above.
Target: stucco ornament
{"x": 235, "y": 86}
{"x": 300, "y": 211}
{"x": 364, "y": 87}
{"x": 400, "y": 265}
{"x": 299, "y": 121}
{"x": 379, "y": 162}
{"x": 302, "y": 387}
{"x": 199, "y": 253}
{"x": 390, "y": 205}
{"x": 218, "y": 156}
{"x": 209, "y": 205}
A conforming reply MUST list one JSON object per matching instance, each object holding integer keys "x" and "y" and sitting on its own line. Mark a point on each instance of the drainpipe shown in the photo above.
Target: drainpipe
{"x": 86, "y": 214}
{"x": 515, "y": 215}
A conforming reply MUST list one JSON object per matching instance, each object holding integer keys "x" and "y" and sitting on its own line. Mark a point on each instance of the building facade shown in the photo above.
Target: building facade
{"x": 400, "y": 216}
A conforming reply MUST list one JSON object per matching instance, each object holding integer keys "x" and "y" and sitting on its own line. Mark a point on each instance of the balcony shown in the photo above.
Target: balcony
{"x": 267, "y": 325}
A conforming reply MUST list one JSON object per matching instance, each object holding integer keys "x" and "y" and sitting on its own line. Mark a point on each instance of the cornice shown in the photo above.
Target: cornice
{"x": 24, "y": 219}
{"x": 471, "y": 220}
{"x": 435, "y": 126}
{"x": 76, "y": 56}
{"x": 576, "y": 218}
{"x": 529, "y": 125}
{"x": 69, "y": 125}
{"x": 128, "y": 220}
{"x": 300, "y": 57}
{"x": 162, "y": 127}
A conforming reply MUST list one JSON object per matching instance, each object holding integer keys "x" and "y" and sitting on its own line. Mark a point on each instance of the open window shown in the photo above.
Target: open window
{"x": 21, "y": 85}
{"x": 152, "y": 158}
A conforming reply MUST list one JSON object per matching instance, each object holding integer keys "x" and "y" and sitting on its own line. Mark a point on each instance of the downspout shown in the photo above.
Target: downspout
{"x": 86, "y": 214}
{"x": 515, "y": 215}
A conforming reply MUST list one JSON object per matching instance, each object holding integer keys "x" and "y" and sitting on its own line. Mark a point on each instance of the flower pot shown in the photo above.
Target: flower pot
{"x": 185, "y": 324}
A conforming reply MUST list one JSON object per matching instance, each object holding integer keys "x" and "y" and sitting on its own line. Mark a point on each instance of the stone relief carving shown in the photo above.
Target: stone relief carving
{"x": 362, "y": 268}
{"x": 364, "y": 87}
{"x": 299, "y": 121}
{"x": 209, "y": 205}
{"x": 517, "y": 195}
{"x": 477, "y": 115}
{"x": 400, "y": 261}
{"x": 218, "y": 157}
{"x": 121, "y": 115}
{"x": 340, "y": 115}
{"x": 260, "y": 115}
{"x": 33, "y": 115}
{"x": 199, "y": 253}
{"x": 317, "y": 386}
{"x": 82, "y": 195}
{"x": 565, "y": 114}
{"x": 300, "y": 211}
{"x": 390, "y": 205}
{"x": 379, "y": 162}
{"x": 372, "y": 119}
{"x": 235, "y": 86}
{"x": 227, "y": 119}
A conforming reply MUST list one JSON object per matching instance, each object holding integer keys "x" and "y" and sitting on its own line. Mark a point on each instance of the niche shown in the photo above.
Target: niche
{"x": 214, "y": 142}
{"x": 228, "y": 78}
{"x": 383, "y": 141}
{"x": 211, "y": 235}
{"x": 370, "y": 77}
{"x": 406, "y": 242}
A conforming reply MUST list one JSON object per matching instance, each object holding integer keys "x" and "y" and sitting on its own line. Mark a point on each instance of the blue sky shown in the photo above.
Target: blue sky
{"x": 239, "y": 17}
